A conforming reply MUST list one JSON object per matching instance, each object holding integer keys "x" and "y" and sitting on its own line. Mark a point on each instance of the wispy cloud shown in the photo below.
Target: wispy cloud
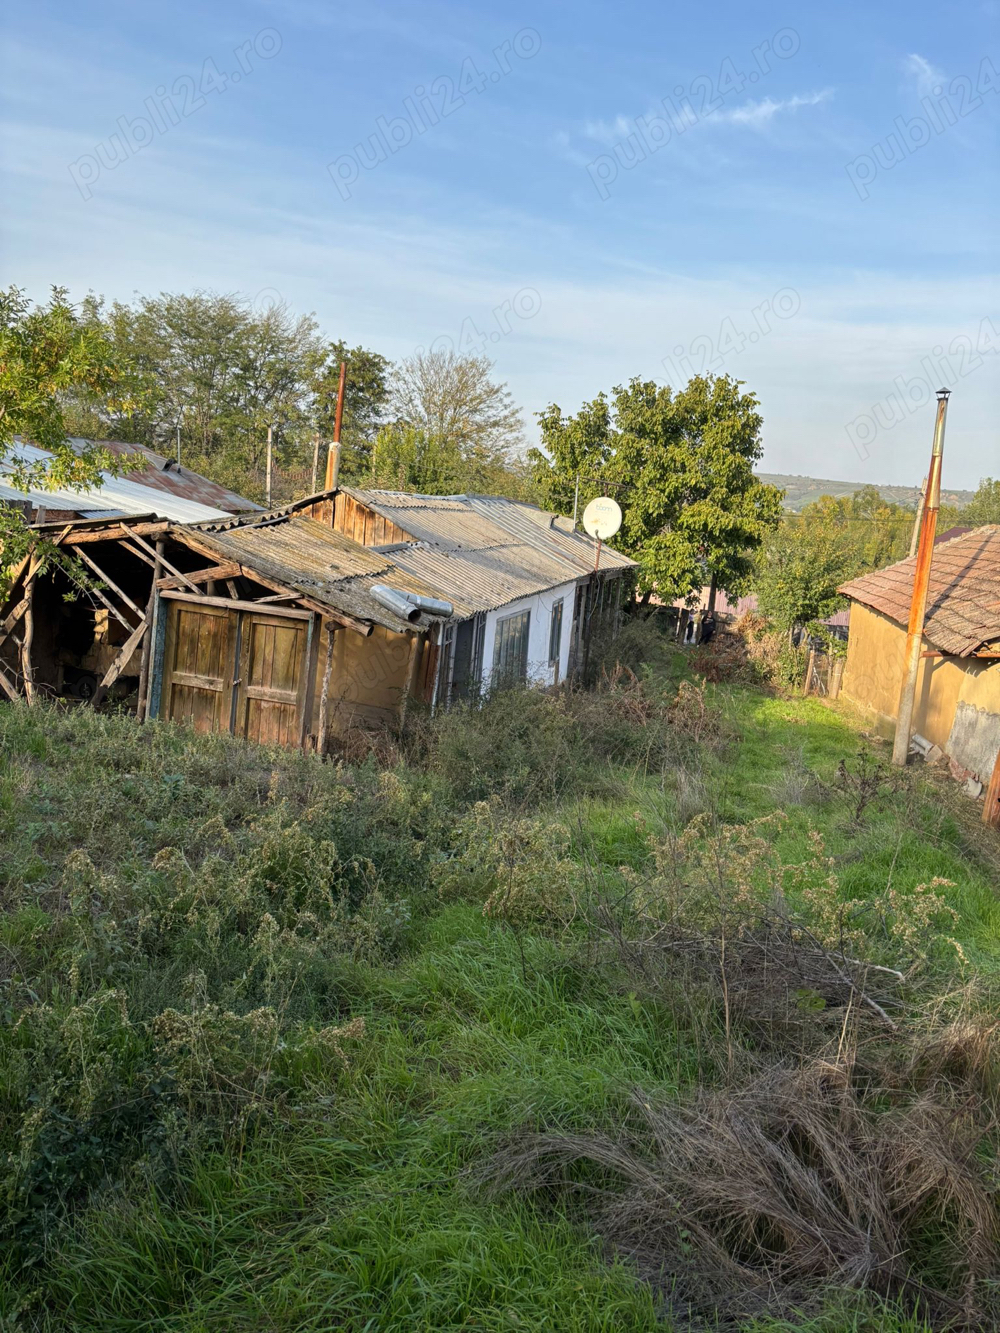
{"x": 926, "y": 76}
{"x": 608, "y": 131}
{"x": 761, "y": 113}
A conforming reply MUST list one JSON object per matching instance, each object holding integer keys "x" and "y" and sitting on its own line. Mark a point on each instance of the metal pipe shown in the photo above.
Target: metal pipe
{"x": 395, "y": 601}
{"x": 434, "y": 606}
{"x": 333, "y": 453}
{"x": 270, "y": 461}
{"x": 921, "y": 583}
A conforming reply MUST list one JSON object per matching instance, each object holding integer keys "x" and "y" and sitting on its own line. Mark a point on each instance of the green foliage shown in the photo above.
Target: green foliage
{"x": 222, "y": 369}
{"x": 832, "y": 541}
{"x": 984, "y": 507}
{"x": 366, "y": 399}
{"x": 681, "y": 465}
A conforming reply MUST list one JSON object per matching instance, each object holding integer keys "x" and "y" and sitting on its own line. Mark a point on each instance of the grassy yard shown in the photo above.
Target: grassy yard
{"x": 262, "y": 1045}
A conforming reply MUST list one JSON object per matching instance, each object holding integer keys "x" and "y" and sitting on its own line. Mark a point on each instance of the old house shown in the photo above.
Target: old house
{"x": 523, "y": 583}
{"x": 284, "y": 627}
{"x": 958, "y": 688}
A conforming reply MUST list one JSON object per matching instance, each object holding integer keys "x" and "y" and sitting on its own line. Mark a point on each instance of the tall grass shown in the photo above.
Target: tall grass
{"x": 266, "y": 1019}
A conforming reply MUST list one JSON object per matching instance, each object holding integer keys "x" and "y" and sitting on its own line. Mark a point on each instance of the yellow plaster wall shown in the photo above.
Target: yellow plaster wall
{"x": 873, "y": 672}
{"x": 368, "y": 677}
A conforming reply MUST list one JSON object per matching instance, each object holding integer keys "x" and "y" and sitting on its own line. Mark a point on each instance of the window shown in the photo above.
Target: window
{"x": 510, "y": 649}
{"x": 555, "y": 633}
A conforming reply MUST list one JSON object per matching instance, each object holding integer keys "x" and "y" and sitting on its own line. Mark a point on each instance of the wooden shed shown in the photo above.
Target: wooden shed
{"x": 265, "y": 626}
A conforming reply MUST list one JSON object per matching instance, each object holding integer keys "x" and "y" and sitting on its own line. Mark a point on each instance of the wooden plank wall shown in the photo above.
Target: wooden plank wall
{"x": 357, "y": 521}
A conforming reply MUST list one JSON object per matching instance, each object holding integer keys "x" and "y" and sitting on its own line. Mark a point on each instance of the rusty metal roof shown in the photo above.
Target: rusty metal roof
{"x": 163, "y": 474}
{"x": 963, "y": 600}
{"x": 308, "y": 558}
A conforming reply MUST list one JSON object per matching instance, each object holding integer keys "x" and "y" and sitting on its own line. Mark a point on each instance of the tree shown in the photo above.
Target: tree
{"x": 984, "y": 507}
{"x": 681, "y": 466}
{"x": 830, "y": 542}
{"x": 576, "y": 450}
{"x": 219, "y": 368}
{"x": 47, "y": 353}
{"x": 454, "y": 399}
{"x": 366, "y": 398}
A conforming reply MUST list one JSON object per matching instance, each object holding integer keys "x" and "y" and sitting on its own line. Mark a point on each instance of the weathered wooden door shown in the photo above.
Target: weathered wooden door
{"x": 270, "y": 679}
{"x": 238, "y": 671}
{"x": 198, "y": 651}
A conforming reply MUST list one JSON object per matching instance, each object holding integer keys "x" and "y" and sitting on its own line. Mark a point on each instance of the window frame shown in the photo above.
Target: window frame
{"x": 507, "y": 670}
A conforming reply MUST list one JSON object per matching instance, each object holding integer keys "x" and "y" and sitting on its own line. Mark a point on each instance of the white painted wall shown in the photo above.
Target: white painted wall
{"x": 540, "y": 606}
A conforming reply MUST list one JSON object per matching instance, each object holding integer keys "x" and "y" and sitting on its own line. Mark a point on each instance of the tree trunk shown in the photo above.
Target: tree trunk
{"x": 712, "y": 589}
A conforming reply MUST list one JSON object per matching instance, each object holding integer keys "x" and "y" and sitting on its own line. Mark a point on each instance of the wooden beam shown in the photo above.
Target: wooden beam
{"x": 416, "y": 651}
{"x": 8, "y": 687}
{"x": 106, "y": 578}
{"x": 324, "y": 697}
{"x": 213, "y": 572}
{"x": 309, "y": 694}
{"x": 280, "y": 597}
{"x": 991, "y": 806}
{"x": 13, "y": 618}
{"x": 139, "y": 555}
{"x": 83, "y": 536}
{"x": 107, "y": 602}
{"x": 233, "y": 590}
{"x": 167, "y": 565}
{"x": 233, "y": 604}
{"x": 121, "y": 661}
{"x": 147, "y": 646}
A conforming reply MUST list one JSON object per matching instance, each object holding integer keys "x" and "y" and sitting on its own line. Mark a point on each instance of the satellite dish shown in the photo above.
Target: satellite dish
{"x": 602, "y": 518}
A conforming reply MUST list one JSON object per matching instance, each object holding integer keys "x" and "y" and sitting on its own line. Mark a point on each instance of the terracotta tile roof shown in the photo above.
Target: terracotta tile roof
{"x": 963, "y": 602}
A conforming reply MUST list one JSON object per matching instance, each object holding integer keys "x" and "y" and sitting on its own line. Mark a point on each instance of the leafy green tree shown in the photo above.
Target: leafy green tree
{"x": 46, "y": 353}
{"x": 984, "y": 507}
{"x": 220, "y": 369}
{"x": 575, "y": 450}
{"x": 366, "y": 399}
{"x": 830, "y": 542}
{"x": 681, "y": 466}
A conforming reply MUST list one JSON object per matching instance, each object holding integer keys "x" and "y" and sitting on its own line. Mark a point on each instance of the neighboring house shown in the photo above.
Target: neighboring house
{"x": 156, "y": 486}
{"x": 279, "y": 627}
{"x": 521, "y": 580}
{"x": 958, "y": 687}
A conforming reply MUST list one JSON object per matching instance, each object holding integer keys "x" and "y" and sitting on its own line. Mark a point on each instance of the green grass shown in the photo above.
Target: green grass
{"x": 155, "y": 1198}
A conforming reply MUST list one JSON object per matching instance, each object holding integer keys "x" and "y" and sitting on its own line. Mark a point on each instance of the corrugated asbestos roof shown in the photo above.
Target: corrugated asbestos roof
{"x": 508, "y": 549}
{"x": 483, "y": 521}
{"x": 963, "y": 601}
{"x": 308, "y": 558}
{"x": 117, "y": 495}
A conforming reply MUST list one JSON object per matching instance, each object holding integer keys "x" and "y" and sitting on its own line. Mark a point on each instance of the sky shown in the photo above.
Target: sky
{"x": 802, "y": 196}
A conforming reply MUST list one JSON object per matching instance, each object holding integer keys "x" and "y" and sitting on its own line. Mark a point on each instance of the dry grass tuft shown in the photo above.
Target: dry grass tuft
{"x": 752, "y": 1197}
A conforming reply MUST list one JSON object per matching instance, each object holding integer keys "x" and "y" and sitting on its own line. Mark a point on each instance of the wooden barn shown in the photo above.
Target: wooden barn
{"x": 266, "y": 626}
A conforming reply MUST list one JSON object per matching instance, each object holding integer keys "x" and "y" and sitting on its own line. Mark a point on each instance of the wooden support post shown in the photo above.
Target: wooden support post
{"x": 27, "y": 638}
{"x": 416, "y": 648}
{"x": 309, "y": 693}
{"x": 324, "y": 694}
{"x": 991, "y": 806}
{"x": 121, "y": 661}
{"x": 836, "y": 676}
{"x": 147, "y": 647}
{"x": 807, "y": 683}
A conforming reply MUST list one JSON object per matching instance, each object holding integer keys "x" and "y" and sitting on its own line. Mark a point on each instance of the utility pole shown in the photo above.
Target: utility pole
{"x": 178, "y": 441}
{"x": 918, "y": 520}
{"x": 333, "y": 453}
{"x": 576, "y": 500}
{"x": 270, "y": 460}
{"x": 921, "y": 581}
{"x": 315, "y": 462}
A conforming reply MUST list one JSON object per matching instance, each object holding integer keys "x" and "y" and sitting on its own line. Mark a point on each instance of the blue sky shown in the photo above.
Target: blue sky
{"x": 814, "y": 211}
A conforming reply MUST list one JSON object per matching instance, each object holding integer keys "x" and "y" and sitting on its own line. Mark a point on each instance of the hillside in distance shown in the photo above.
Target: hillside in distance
{"x": 800, "y": 491}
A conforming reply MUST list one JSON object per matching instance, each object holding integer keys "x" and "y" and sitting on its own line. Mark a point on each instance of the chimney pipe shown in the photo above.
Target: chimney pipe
{"x": 921, "y": 582}
{"x": 333, "y": 453}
